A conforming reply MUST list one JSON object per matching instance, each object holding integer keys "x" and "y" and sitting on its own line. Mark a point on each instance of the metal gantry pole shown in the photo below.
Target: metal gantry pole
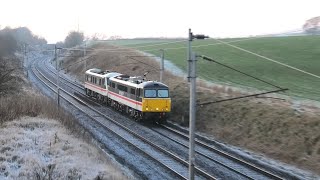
{"x": 192, "y": 75}
{"x": 27, "y": 60}
{"x": 55, "y": 56}
{"x": 192, "y": 115}
{"x": 57, "y": 68}
{"x": 161, "y": 65}
{"x": 189, "y": 53}
{"x": 24, "y": 57}
{"x": 84, "y": 55}
{"x": 192, "y": 110}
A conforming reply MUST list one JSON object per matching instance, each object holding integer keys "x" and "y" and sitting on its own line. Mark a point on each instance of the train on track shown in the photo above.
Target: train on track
{"x": 139, "y": 98}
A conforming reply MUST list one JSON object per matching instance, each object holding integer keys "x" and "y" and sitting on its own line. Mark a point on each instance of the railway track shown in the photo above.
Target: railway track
{"x": 169, "y": 161}
{"x": 221, "y": 158}
{"x": 217, "y": 159}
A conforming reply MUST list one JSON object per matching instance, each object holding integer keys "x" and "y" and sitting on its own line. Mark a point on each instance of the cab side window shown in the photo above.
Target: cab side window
{"x": 139, "y": 92}
{"x": 133, "y": 91}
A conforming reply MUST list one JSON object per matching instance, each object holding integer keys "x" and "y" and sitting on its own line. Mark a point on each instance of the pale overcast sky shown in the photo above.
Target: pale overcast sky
{"x": 154, "y": 18}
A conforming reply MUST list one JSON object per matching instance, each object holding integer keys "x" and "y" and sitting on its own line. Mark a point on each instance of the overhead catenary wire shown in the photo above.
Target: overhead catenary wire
{"x": 162, "y": 43}
{"x": 204, "y": 45}
{"x": 143, "y": 62}
{"x": 241, "y": 97}
{"x": 225, "y": 78}
{"x": 246, "y": 74}
{"x": 269, "y": 59}
{"x": 279, "y": 89}
{"x": 229, "y": 83}
{"x": 126, "y": 48}
{"x": 166, "y": 43}
{"x": 290, "y": 84}
{"x": 118, "y": 49}
{"x": 76, "y": 62}
{"x": 298, "y": 87}
{"x": 232, "y": 41}
{"x": 222, "y": 81}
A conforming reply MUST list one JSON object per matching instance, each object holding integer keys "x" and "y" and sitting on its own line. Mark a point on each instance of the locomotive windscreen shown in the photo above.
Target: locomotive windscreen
{"x": 156, "y": 93}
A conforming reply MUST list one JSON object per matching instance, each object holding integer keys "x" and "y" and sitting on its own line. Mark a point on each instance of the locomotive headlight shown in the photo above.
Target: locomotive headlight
{"x": 147, "y": 109}
{"x": 157, "y": 109}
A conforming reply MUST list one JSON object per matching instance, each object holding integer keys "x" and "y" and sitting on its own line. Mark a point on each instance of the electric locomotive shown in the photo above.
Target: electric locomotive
{"x": 95, "y": 83}
{"x": 135, "y": 96}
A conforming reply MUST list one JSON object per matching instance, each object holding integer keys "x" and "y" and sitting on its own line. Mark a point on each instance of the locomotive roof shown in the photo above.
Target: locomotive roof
{"x": 152, "y": 84}
{"x": 112, "y": 74}
{"x": 100, "y": 73}
{"x": 143, "y": 84}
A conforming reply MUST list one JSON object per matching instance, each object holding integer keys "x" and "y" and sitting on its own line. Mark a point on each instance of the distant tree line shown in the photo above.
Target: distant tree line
{"x": 11, "y": 41}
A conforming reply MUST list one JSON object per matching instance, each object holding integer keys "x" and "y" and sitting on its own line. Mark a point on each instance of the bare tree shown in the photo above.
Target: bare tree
{"x": 74, "y": 38}
{"x": 98, "y": 36}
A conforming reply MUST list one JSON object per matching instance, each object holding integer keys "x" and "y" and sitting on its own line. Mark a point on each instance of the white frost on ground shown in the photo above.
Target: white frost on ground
{"x": 31, "y": 147}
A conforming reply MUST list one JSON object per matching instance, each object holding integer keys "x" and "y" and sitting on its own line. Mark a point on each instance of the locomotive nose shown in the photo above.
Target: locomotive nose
{"x": 157, "y": 105}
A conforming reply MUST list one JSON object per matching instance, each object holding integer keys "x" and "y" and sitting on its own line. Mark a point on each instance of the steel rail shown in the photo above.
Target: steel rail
{"x": 204, "y": 155}
{"x": 227, "y": 155}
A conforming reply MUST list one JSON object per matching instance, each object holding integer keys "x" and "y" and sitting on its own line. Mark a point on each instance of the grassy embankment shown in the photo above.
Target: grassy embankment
{"x": 301, "y": 52}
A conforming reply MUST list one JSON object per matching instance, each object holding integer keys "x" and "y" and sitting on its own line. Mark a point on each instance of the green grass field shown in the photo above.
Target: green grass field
{"x": 302, "y": 52}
